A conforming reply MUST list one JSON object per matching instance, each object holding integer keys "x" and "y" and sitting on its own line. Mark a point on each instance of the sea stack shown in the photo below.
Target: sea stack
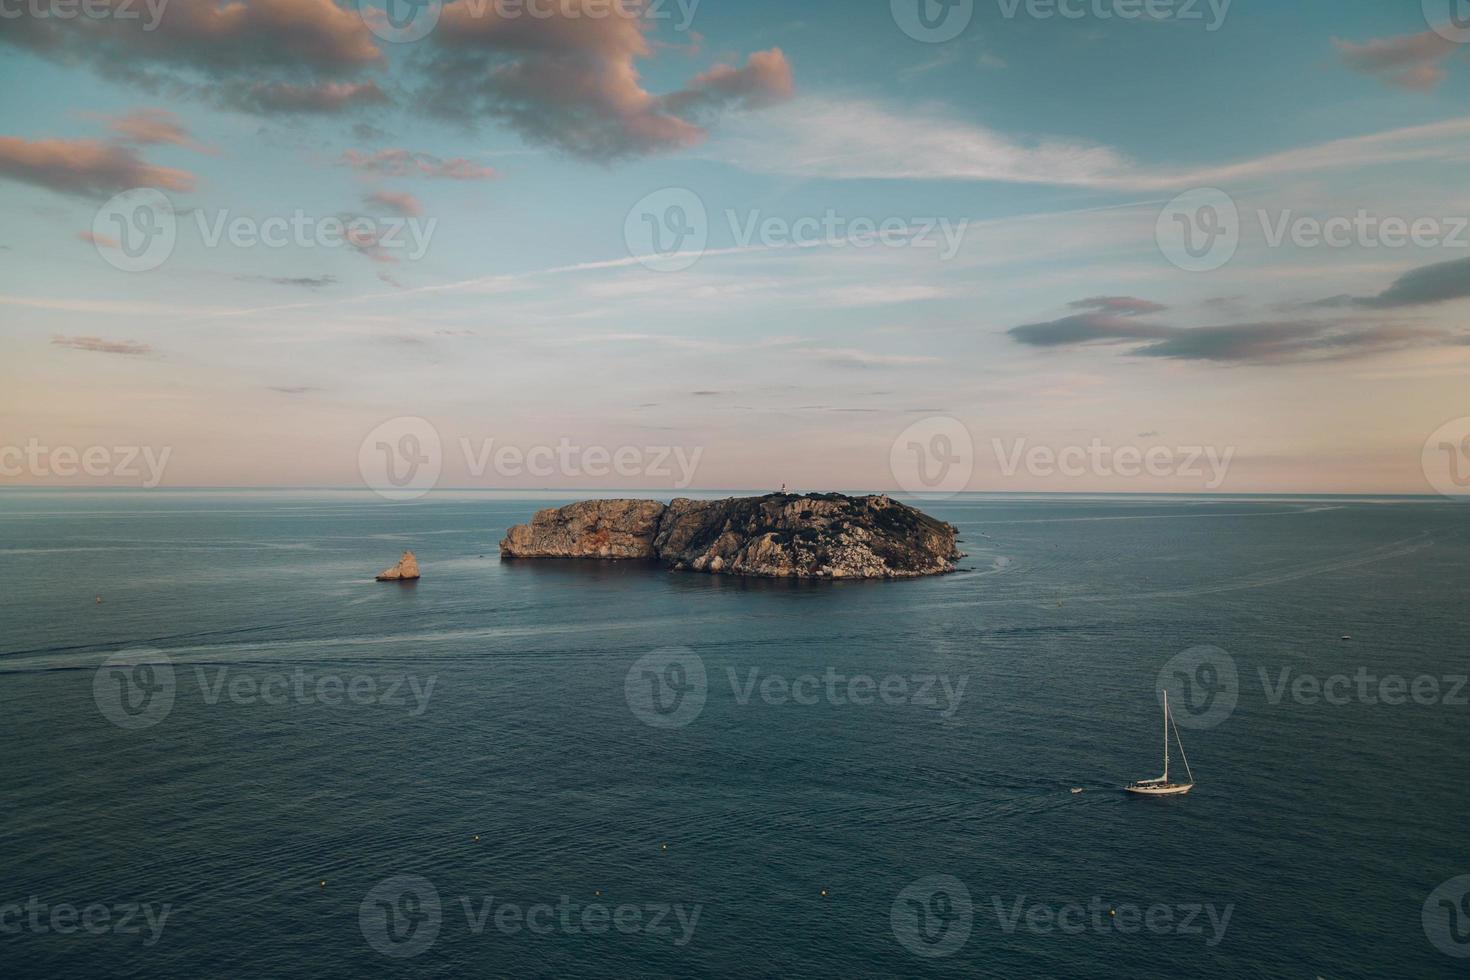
{"x": 780, "y": 535}
{"x": 407, "y": 570}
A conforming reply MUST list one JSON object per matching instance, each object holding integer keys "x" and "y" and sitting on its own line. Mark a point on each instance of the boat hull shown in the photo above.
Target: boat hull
{"x": 1171, "y": 789}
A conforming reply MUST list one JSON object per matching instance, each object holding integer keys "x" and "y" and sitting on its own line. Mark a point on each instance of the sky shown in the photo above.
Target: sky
{"x": 988, "y": 245}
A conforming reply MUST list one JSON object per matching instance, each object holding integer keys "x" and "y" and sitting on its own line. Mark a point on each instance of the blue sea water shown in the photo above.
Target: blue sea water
{"x": 431, "y": 764}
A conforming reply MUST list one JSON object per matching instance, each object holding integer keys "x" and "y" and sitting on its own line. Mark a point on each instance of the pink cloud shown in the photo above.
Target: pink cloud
{"x": 572, "y": 82}
{"x": 85, "y": 167}
{"x": 399, "y": 202}
{"x": 148, "y": 127}
{"x": 1411, "y": 61}
{"x": 399, "y": 162}
{"x": 95, "y": 239}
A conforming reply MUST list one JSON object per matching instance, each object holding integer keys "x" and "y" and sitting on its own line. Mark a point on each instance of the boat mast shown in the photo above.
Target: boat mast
{"x": 1166, "y": 734}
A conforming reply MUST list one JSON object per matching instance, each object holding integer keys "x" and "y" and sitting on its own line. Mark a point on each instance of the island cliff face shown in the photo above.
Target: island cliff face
{"x": 775, "y": 536}
{"x": 407, "y": 570}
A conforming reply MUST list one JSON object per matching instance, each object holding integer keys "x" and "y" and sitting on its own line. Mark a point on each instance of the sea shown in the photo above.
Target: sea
{"x": 229, "y": 752}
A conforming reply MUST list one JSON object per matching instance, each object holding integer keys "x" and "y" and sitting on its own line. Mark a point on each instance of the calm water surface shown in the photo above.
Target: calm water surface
{"x": 476, "y": 731}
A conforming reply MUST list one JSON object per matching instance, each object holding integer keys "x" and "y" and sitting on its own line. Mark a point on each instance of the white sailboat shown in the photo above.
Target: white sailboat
{"x": 1163, "y": 786}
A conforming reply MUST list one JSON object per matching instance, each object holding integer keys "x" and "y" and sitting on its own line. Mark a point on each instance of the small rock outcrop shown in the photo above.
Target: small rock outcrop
{"x": 407, "y": 570}
{"x": 820, "y": 536}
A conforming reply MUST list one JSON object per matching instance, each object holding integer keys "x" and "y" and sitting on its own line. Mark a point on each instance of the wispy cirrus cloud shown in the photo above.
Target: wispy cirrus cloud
{"x": 861, "y": 140}
{"x": 102, "y": 346}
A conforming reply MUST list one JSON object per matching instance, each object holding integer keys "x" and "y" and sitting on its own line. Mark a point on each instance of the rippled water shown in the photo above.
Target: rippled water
{"x": 484, "y": 732}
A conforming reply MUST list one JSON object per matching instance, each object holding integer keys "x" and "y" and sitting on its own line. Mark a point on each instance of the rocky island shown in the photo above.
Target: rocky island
{"x": 407, "y": 570}
{"x": 816, "y": 536}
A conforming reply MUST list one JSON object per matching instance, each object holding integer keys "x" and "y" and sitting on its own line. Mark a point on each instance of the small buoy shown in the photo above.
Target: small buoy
{"x": 477, "y": 837}
{"x": 322, "y": 885}
{"x": 1112, "y": 912}
{"x": 597, "y": 894}
{"x": 99, "y": 598}
{"x": 824, "y": 893}
{"x": 663, "y": 847}
{"x": 1345, "y": 638}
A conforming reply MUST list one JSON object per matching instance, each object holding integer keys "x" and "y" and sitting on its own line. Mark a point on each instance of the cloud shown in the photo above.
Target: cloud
{"x": 263, "y": 55}
{"x": 314, "y": 97}
{"x": 852, "y": 357}
{"x": 1275, "y": 342}
{"x": 398, "y": 162}
{"x": 84, "y": 167}
{"x": 571, "y": 81}
{"x": 1085, "y": 328}
{"x": 102, "y": 346}
{"x": 303, "y": 282}
{"x": 148, "y": 127}
{"x": 95, "y": 239}
{"x": 398, "y": 202}
{"x": 857, "y": 140}
{"x": 1411, "y": 61}
{"x": 293, "y": 389}
{"x": 1121, "y": 305}
{"x": 1425, "y": 286}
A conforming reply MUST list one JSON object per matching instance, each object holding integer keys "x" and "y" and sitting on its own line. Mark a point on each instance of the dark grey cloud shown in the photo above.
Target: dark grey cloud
{"x": 1270, "y": 342}
{"x": 305, "y": 282}
{"x": 1431, "y": 284}
{"x": 1087, "y": 328}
